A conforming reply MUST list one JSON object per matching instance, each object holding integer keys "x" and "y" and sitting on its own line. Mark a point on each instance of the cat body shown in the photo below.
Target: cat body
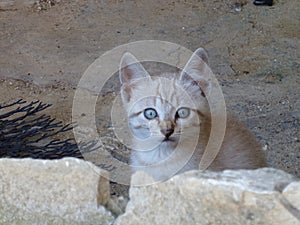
{"x": 170, "y": 119}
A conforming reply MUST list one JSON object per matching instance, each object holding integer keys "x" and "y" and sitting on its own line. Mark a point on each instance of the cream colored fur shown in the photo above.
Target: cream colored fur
{"x": 163, "y": 157}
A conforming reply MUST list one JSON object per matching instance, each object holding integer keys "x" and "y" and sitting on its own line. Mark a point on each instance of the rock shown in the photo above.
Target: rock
{"x": 228, "y": 197}
{"x": 16, "y": 4}
{"x": 66, "y": 191}
{"x": 292, "y": 194}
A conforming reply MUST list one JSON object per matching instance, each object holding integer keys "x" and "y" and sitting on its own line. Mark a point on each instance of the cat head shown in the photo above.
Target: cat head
{"x": 161, "y": 107}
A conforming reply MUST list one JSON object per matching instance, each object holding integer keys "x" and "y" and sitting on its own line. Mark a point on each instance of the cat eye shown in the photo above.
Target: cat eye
{"x": 183, "y": 113}
{"x": 150, "y": 113}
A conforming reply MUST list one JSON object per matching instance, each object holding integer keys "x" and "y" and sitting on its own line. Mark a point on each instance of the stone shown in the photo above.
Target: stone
{"x": 65, "y": 191}
{"x": 292, "y": 194}
{"x": 16, "y": 4}
{"x": 265, "y": 196}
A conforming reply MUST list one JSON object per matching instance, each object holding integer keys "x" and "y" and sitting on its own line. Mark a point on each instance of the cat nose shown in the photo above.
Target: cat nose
{"x": 167, "y": 132}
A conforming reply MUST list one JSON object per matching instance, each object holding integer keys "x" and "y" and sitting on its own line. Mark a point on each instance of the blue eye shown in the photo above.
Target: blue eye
{"x": 183, "y": 112}
{"x": 150, "y": 113}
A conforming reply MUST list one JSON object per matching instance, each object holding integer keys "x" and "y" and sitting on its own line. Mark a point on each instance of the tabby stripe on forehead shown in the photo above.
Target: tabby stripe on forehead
{"x": 135, "y": 114}
{"x": 159, "y": 91}
{"x": 173, "y": 96}
{"x": 153, "y": 101}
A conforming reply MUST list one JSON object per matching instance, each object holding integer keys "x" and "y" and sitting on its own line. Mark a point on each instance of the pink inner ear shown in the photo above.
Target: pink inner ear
{"x": 197, "y": 72}
{"x": 201, "y": 52}
{"x": 127, "y": 91}
{"x": 126, "y": 74}
{"x": 203, "y": 86}
{"x": 131, "y": 69}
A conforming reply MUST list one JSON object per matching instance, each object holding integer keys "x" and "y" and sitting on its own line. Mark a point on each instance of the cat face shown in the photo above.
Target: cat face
{"x": 168, "y": 108}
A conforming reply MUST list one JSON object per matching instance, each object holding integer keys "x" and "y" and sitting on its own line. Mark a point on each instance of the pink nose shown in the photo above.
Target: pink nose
{"x": 167, "y": 132}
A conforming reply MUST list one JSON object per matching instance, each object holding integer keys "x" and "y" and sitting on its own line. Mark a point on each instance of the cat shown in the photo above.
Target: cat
{"x": 170, "y": 119}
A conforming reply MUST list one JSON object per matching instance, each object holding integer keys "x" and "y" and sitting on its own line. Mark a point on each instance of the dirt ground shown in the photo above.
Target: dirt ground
{"x": 254, "y": 52}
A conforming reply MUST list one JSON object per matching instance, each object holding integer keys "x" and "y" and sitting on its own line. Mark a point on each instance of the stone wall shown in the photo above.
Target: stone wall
{"x": 67, "y": 191}
{"x": 72, "y": 191}
{"x": 265, "y": 196}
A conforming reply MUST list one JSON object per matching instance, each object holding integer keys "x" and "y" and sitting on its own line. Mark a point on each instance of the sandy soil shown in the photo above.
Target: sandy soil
{"x": 254, "y": 52}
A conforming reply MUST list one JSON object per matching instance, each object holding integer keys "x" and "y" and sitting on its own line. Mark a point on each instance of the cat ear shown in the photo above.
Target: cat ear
{"x": 197, "y": 71}
{"x": 131, "y": 69}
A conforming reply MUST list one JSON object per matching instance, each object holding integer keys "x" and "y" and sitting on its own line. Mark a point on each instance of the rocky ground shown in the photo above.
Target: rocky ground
{"x": 254, "y": 52}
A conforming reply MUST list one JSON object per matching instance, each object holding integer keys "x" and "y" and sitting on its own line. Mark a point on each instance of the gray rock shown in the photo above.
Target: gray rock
{"x": 292, "y": 194}
{"x": 230, "y": 197}
{"x": 66, "y": 191}
{"x": 16, "y": 4}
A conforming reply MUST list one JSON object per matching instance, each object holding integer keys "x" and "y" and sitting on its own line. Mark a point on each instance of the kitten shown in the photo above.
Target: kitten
{"x": 170, "y": 119}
